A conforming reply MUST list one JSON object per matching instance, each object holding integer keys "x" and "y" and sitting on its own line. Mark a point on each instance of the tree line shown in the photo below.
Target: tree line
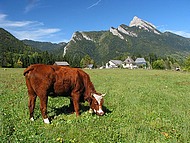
{"x": 15, "y": 60}
{"x": 153, "y": 61}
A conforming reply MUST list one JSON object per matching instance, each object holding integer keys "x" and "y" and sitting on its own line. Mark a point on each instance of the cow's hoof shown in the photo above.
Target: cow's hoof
{"x": 46, "y": 121}
{"x": 90, "y": 111}
{"x": 32, "y": 119}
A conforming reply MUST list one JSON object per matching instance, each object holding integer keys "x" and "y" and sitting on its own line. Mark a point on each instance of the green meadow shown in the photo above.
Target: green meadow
{"x": 142, "y": 106}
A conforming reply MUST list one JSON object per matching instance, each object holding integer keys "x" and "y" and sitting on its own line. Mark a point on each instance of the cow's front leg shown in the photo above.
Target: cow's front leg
{"x": 75, "y": 98}
{"x": 43, "y": 108}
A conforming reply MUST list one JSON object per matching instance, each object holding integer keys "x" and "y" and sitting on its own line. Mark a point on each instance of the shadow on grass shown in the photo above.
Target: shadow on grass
{"x": 106, "y": 110}
{"x": 68, "y": 109}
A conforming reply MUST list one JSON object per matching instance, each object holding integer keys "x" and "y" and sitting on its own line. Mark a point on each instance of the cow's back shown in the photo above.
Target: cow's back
{"x": 68, "y": 80}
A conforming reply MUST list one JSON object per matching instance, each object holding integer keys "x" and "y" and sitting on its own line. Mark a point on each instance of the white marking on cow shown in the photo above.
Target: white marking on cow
{"x": 100, "y": 111}
{"x": 32, "y": 119}
{"x": 46, "y": 121}
{"x": 98, "y": 98}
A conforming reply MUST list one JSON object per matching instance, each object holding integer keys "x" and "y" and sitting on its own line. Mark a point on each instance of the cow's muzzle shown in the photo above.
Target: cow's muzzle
{"x": 100, "y": 112}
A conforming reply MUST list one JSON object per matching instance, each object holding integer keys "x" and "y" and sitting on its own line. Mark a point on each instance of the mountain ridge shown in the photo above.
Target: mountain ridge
{"x": 46, "y": 46}
{"x": 140, "y": 37}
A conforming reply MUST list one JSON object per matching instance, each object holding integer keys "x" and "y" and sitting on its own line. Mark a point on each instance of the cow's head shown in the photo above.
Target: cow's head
{"x": 96, "y": 103}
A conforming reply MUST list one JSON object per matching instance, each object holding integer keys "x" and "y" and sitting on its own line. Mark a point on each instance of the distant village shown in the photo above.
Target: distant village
{"x": 129, "y": 63}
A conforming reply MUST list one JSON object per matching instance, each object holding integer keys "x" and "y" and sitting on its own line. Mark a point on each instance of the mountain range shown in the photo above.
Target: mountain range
{"x": 139, "y": 38}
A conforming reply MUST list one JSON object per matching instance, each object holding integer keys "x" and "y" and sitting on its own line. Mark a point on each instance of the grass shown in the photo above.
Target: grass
{"x": 142, "y": 106}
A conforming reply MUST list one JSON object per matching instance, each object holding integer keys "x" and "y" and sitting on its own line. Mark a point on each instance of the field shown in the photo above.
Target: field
{"x": 143, "y": 106}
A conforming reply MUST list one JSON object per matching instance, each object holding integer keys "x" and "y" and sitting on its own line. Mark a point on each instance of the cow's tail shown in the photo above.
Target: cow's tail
{"x": 27, "y": 70}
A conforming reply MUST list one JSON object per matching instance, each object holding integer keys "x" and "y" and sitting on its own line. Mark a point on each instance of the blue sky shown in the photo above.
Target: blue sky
{"x": 56, "y": 20}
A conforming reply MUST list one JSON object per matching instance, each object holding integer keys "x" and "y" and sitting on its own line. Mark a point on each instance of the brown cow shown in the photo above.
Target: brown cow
{"x": 41, "y": 80}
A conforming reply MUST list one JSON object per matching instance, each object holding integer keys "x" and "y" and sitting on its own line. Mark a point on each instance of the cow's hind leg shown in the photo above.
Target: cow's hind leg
{"x": 31, "y": 105}
{"x": 32, "y": 99}
{"x": 43, "y": 107}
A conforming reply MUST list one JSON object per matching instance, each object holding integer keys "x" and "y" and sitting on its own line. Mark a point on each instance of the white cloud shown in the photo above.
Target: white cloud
{"x": 2, "y": 16}
{"x": 31, "y": 5}
{"x": 95, "y": 4}
{"x": 16, "y": 23}
{"x": 32, "y": 30}
{"x": 181, "y": 33}
{"x": 11, "y": 24}
{"x": 37, "y": 34}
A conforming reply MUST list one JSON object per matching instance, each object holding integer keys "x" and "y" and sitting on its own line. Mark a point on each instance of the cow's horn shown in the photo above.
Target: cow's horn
{"x": 103, "y": 94}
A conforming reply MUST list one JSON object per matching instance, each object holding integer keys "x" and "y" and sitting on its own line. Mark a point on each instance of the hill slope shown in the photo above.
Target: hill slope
{"x": 47, "y": 46}
{"x": 8, "y": 43}
{"x": 14, "y": 53}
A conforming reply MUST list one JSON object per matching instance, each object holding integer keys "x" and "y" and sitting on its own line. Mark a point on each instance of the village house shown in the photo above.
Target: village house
{"x": 128, "y": 63}
{"x": 140, "y": 62}
{"x": 114, "y": 64}
{"x": 90, "y": 66}
{"x": 61, "y": 63}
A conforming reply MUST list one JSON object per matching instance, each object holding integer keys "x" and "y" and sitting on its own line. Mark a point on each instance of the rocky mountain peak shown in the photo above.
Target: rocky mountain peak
{"x": 137, "y": 22}
{"x": 115, "y": 32}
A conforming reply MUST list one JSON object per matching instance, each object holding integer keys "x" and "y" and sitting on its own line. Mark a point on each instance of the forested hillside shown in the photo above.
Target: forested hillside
{"x": 14, "y": 53}
{"x": 53, "y": 48}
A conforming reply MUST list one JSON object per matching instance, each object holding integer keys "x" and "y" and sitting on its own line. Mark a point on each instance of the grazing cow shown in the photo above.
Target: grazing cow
{"x": 43, "y": 80}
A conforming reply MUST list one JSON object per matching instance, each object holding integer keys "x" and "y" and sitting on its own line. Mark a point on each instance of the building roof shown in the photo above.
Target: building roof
{"x": 140, "y": 61}
{"x": 129, "y": 61}
{"x": 116, "y": 62}
{"x": 90, "y": 65}
{"x": 61, "y": 63}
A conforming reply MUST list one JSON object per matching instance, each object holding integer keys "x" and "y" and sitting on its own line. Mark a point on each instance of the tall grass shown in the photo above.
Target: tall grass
{"x": 141, "y": 106}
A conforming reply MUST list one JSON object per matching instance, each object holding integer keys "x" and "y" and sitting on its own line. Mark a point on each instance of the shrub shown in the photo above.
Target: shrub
{"x": 159, "y": 64}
